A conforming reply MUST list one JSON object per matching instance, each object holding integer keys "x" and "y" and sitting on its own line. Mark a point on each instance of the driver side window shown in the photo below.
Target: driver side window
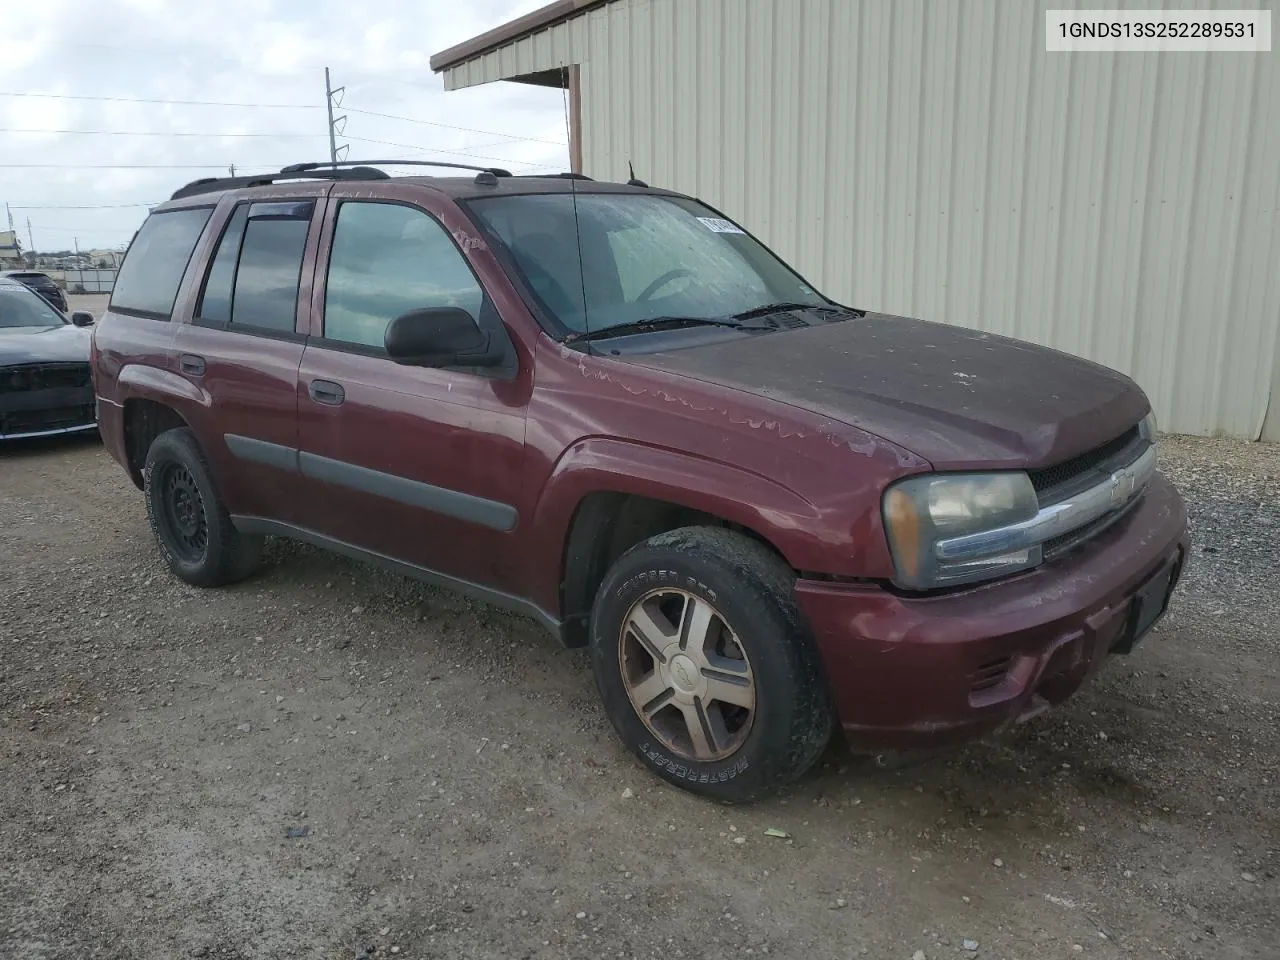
{"x": 387, "y": 260}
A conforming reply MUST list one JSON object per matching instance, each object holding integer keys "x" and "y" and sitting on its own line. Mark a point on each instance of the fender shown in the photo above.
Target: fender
{"x": 135, "y": 381}
{"x": 140, "y": 382}
{"x": 791, "y": 523}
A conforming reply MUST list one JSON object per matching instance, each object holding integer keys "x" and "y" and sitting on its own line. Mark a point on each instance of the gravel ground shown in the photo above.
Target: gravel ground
{"x": 326, "y": 761}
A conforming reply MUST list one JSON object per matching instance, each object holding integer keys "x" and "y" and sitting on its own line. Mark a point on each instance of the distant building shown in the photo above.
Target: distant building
{"x": 10, "y": 250}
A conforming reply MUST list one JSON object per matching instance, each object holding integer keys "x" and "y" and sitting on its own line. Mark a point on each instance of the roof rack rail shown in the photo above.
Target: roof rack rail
{"x": 300, "y": 167}
{"x": 322, "y": 170}
{"x": 216, "y": 184}
{"x": 554, "y": 176}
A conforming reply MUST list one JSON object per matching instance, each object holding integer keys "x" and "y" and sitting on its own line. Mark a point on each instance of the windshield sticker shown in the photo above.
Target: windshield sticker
{"x": 716, "y": 225}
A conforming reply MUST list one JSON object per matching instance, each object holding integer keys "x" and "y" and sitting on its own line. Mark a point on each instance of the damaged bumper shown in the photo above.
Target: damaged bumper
{"x": 911, "y": 673}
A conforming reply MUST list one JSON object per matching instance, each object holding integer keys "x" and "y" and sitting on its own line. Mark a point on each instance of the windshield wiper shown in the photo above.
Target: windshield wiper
{"x": 665, "y": 323}
{"x": 780, "y": 307}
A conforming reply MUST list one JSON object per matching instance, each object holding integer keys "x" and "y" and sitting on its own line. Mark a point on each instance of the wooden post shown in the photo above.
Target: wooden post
{"x": 575, "y": 118}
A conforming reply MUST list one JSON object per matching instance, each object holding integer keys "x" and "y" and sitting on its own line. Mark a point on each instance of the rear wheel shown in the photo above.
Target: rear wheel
{"x": 190, "y": 523}
{"x": 705, "y": 666}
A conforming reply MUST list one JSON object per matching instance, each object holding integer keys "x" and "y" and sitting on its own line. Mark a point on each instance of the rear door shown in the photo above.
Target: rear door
{"x": 243, "y": 345}
{"x": 422, "y": 465}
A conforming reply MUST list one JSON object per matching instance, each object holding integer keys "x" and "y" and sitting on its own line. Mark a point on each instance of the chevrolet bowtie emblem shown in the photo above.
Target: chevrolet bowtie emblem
{"x": 1122, "y": 484}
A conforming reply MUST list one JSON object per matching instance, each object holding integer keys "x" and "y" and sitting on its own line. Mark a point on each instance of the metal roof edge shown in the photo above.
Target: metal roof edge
{"x": 499, "y": 36}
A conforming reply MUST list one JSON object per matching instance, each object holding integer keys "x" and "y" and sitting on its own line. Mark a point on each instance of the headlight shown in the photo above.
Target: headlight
{"x": 1148, "y": 426}
{"x": 919, "y": 512}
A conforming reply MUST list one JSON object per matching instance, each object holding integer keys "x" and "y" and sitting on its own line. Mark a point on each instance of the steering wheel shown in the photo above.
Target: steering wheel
{"x": 661, "y": 282}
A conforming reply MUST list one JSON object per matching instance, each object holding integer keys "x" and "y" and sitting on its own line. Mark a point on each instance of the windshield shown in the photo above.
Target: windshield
{"x": 22, "y": 308}
{"x": 643, "y": 257}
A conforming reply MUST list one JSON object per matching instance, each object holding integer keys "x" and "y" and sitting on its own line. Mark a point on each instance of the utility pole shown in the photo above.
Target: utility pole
{"x": 232, "y": 169}
{"x": 331, "y": 100}
{"x": 17, "y": 244}
{"x": 30, "y": 238}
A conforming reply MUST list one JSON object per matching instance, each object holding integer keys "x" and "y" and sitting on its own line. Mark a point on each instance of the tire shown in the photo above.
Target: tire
{"x": 776, "y": 715}
{"x": 188, "y": 518}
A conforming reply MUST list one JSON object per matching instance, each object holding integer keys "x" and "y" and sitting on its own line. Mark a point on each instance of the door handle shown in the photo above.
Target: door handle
{"x": 326, "y": 391}
{"x": 190, "y": 363}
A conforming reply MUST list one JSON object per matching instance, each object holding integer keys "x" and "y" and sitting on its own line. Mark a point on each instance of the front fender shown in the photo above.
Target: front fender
{"x": 801, "y": 531}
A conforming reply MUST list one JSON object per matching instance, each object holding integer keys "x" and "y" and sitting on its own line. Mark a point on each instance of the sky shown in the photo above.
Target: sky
{"x": 92, "y": 186}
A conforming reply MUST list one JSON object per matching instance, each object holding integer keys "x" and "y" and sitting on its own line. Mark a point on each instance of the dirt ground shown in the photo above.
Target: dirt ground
{"x": 164, "y": 749}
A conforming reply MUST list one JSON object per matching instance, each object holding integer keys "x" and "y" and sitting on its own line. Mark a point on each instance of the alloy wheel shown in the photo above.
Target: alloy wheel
{"x": 687, "y": 674}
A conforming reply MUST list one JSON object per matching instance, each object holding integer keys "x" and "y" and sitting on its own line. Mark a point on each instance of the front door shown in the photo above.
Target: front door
{"x": 421, "y": 465}
{"x": 242, "y": 348}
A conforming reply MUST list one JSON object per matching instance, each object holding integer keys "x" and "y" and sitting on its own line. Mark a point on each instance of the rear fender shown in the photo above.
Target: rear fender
{"x": 140, "y": 382}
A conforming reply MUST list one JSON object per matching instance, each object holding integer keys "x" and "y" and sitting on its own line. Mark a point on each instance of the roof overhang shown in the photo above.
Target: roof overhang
{"x": 500, "y": 36}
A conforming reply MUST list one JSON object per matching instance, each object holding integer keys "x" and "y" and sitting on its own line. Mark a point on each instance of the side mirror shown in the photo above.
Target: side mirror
{"x": 440, "y": 337}
{"x": 82, "y": 318}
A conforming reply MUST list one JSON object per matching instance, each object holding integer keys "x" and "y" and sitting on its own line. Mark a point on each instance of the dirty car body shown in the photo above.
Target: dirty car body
{"x": 953, "y": 529}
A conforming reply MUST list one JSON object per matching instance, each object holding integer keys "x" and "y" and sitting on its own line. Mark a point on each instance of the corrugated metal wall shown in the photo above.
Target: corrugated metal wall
{"x": 930, "y": 158}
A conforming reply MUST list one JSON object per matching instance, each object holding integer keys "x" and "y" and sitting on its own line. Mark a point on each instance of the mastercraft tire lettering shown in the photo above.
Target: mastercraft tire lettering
{"x": 705, "y": 667}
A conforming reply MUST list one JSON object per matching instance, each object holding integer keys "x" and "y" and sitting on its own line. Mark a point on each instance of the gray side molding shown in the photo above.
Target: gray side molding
{"x": 261, "y": 451}
{"x": 413, "y": 493}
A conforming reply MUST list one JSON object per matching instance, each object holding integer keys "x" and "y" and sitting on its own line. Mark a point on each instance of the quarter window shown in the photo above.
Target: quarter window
{"x": 158, "y": 257}
{"x": 388, "y": 260}
{"x": 215, "y": 302}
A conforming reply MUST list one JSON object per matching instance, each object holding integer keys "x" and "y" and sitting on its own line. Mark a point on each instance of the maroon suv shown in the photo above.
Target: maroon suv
{"x": 609, "y": 407}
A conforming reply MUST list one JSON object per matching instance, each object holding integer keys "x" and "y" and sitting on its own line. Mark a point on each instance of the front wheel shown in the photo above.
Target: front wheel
{"x": 705, "y": 666}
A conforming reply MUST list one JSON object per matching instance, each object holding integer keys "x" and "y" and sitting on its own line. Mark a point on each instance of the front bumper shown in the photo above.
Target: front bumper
{"x": 910, "y": 673}
{"x": 47, "y": 412}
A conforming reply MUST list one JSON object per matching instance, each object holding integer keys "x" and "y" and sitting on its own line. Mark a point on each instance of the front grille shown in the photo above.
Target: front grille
{"x": 1059, "y": 545}
{"x": 36, "y": 421}
{"x": 1066, "y": 541}
{"x": 1061, "y": 477}
{"x": 43, "y": 376}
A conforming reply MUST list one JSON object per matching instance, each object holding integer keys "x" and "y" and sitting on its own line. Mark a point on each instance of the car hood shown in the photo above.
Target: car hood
{"x": 62, "y": 344}
{"x": 959, "y": 398}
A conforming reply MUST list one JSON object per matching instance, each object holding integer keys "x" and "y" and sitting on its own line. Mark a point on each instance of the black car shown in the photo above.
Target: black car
{"x": 45, "y": 387}
{"x": 41, "y": 283}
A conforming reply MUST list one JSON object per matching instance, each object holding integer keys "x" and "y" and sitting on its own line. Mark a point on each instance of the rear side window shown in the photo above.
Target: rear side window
{"x": 158, "y": 257}
{"x": 253, "y": 280}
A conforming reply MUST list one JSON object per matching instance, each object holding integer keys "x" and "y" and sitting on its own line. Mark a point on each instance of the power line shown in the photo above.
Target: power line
{"x": 152, "y": 133}
{"x": 281, "y": 106}
{"x": 92, "y": 206}
{"x": 44, "y": 229}
{"x": 185, "y": 103}
{"x": 450, "y": 126}
{"x": 131, "y": 166}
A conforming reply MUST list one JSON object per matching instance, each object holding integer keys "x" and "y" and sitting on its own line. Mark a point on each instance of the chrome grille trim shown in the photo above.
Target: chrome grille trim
{"x": 1112, "y": 495}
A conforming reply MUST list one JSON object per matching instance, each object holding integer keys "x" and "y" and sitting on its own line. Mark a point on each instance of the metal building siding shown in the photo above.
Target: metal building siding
{"x": 932, "y": 159}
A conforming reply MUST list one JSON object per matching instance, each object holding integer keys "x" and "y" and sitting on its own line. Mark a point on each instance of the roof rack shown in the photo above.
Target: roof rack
{"x": 216, "y": 184}
{"x": 554, "y": 176}
{"x": 300, "y": 167}
{"x": 322, "y": 170}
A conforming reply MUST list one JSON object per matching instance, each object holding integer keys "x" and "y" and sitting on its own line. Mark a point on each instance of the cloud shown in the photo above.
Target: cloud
{"x": 259, "y": 52}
